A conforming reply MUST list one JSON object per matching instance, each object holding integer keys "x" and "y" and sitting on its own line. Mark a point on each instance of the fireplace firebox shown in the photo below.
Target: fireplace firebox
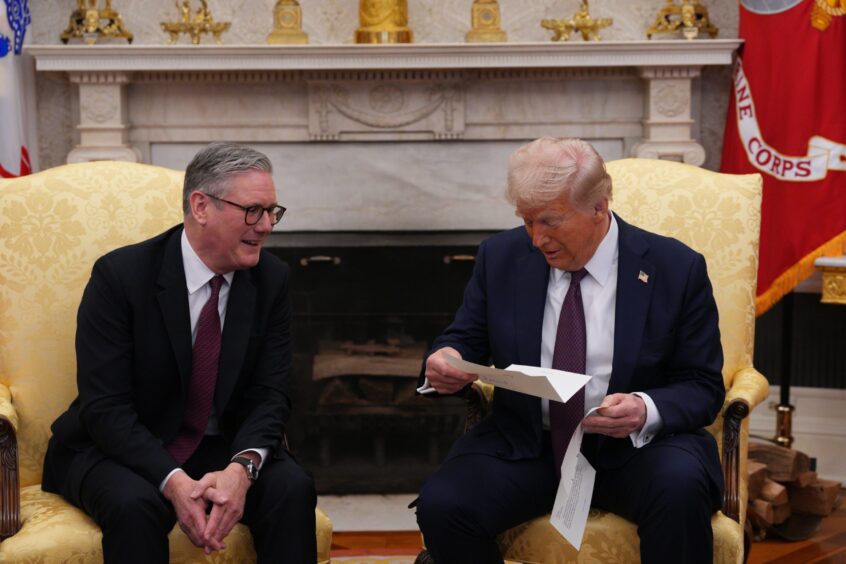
{"x": 365, "y": 310}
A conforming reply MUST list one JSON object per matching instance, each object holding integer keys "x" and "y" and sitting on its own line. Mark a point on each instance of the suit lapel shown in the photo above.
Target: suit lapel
{"x": 530, "y": 299}
{"x": 240, "y": 310}
{"x": 633, "y": 297}
{"x": 173, "y": 301}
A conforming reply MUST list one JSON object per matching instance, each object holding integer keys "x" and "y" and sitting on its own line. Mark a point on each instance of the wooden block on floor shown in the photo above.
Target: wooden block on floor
{"x": 783, "y": 464}
{"x": 756, "y": 473}
{"x": 773, "y": 492}
{"x": 818, "y": 498}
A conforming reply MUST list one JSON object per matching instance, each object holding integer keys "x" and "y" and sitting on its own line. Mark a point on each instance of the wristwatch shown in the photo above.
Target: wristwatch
{"x": 252, "y": 470}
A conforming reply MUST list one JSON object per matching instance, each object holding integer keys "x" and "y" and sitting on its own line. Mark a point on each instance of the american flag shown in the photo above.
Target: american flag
{"x": 14, "y": 156}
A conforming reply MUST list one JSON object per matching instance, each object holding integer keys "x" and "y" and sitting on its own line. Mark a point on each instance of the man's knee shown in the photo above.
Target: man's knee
{"x": 138, "y": 508}
{"x": 290, "y": 485}
{"x": 441, "y": 506}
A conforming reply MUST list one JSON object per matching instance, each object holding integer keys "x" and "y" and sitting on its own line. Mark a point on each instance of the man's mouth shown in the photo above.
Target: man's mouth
{"x": 250, "y": 243}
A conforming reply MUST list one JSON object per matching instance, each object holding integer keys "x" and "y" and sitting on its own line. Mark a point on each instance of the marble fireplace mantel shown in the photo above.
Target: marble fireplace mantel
{"x": 368, "y": 136}
{"x": 132, "y": 96}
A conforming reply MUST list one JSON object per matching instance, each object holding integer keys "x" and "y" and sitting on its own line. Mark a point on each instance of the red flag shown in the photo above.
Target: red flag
{"x": 787, "y": 120}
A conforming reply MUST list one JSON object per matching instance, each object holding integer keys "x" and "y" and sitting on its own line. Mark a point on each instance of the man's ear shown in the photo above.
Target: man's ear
{"x": 199, "y": 205}
{"x": 600, "y": 210}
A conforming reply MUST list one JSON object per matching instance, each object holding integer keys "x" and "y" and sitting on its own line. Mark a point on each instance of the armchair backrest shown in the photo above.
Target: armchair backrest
{"x": 53, "y": 226}
{"x": 718, "y": 215}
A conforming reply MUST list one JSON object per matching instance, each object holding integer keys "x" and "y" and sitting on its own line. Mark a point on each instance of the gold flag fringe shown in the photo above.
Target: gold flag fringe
{"x": 797, "y": 273}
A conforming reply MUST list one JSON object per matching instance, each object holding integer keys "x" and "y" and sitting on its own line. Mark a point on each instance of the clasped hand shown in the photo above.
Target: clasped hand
{"x": 225, "y": 490}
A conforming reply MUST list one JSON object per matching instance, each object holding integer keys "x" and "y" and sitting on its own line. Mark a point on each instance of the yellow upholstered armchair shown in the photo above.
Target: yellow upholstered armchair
{"x": 719, "y": 215}
{"x": 53, "y": 226}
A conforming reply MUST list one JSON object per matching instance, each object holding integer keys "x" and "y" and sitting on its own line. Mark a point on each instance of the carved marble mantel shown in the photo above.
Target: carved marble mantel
{"x": 636, "y": 92}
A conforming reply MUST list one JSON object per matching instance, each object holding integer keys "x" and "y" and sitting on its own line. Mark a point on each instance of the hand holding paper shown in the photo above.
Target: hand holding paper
{"x": 555, "y": 385}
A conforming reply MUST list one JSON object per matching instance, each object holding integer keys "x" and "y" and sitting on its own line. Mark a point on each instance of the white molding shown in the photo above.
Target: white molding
{"x": 681, "y": 53}
{"x": 819, "y": 426}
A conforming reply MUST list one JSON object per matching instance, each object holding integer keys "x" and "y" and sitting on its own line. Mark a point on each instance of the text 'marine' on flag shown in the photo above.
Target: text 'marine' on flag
{"x": 787, "y": 120}
{"x": 14, "y": 156}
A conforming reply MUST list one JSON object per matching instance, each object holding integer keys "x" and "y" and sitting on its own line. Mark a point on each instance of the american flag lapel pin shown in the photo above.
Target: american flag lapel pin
{"x": 643, "y": 277}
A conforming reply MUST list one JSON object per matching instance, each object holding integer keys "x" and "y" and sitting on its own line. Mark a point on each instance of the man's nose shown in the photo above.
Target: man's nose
{"x": 264, "y": 224}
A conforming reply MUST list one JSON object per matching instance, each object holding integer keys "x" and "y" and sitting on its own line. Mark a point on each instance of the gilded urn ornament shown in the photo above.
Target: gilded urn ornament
{"x": 287, "y": 24}
{"x": 383, "y": 21}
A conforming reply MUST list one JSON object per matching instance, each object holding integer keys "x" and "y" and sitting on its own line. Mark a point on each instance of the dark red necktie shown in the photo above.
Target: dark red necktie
{"x": 569, "y": 355}
{"x": 204, "y": 362}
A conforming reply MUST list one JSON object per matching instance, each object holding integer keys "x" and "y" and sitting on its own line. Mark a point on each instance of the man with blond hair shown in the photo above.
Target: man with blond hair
{"x": 579, "y": 289}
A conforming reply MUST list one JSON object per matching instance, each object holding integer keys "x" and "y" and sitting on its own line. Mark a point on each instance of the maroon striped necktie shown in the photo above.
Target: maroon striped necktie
{"x": 204, "y": 363}
{"x": 569, "y": 354}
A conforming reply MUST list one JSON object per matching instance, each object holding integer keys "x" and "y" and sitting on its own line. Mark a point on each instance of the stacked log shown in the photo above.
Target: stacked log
{"x": 782, "y": 483}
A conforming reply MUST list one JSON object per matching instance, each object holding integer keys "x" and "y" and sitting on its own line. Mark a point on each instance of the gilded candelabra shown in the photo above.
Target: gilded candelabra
{"x": 287, "y": 24}
{"x": 201, "y": 23}
{"x": 90, "y": 23}
{"x": 690, "y": 17}
{"x": 581, "y": 22}
{"x": 383, "y": 21}
{"x": 485, "y": 23}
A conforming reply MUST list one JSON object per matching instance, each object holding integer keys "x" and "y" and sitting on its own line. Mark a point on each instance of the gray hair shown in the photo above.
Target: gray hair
{"x": 541, "y": 171}
{"x": 210, "y": 169}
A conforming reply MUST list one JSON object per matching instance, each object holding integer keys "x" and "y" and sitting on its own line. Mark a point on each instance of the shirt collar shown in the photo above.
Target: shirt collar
{"x": 197, "y": 274}
{"x": 603, "y": 259}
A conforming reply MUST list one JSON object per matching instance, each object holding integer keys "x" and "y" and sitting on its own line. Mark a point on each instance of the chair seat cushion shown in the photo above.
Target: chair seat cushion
{"x": 54, "y": 531}
{"x": 608, "y": 538}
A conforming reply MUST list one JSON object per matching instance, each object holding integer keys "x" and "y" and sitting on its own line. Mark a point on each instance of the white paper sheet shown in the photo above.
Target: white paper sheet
{"x": 556, "y": 385}
{"x": 575, "y": 491}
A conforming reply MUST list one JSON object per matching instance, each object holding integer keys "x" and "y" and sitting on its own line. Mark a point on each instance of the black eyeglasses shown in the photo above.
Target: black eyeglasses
{"x": 253, "y": 214}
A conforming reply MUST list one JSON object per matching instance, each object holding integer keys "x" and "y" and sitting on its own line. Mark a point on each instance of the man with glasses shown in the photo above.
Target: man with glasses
{"x": 183, "y": 356}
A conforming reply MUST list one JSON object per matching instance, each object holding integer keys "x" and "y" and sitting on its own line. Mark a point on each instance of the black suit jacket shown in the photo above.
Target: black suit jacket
{"x": 666, "y": 343}
{"x": 133, "y": 347}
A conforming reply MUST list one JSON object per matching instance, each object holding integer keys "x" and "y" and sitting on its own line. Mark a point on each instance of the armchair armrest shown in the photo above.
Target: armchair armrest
{"x": 749, "y": 388}
{"x": 10, "y": 500}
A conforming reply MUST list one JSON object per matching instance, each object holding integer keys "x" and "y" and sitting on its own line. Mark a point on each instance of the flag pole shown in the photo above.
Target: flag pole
{"x": 784, "y": 410}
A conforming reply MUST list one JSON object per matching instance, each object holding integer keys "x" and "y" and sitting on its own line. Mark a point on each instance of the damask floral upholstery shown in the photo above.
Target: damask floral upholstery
{"x": 53, "y": 226}
{"x": 719, "y": 215}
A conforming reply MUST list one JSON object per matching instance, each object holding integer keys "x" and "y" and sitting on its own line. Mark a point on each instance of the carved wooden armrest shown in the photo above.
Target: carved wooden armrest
{"x": 478, "y": 398}
{"x": 10, "y": 500}
{"x": 749, "y": 388}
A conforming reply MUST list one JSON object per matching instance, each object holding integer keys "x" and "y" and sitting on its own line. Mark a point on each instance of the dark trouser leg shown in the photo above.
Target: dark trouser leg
{"x": 134, "y": 516}
{"x": 666, "y": 491}
{"x": 280, "y": 513}
{"x": 472, "y": 498}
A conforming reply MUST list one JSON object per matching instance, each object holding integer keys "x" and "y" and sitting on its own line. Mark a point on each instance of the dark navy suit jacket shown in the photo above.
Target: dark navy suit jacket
{"x": 666, "y": 343}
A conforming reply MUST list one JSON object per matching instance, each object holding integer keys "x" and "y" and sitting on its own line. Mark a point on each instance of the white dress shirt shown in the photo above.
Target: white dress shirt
{"x": 599, "y": 298}
{"x": 197, "y": 278}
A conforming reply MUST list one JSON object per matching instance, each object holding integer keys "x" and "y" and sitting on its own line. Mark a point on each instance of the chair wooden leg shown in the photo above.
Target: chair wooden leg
{"x": 10, "y": 493}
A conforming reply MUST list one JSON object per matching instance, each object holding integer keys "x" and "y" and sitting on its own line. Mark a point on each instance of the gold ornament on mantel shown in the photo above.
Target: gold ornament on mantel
{"x": 201, "y": 23}
{"x": 287, "y": 24}
{"x": 581, "y": 22}
{"x": 485, "y": 23}
{"x": 383, "y": 21}
{"x": 90, "y": 23}
{"x": 690, "y": 17}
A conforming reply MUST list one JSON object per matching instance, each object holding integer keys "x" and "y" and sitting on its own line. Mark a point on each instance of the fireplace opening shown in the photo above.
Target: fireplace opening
{"x": 363, "y": 319}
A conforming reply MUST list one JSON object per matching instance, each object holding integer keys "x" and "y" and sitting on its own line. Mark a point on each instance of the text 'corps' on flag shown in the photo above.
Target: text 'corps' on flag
{"x": 14, "y": 156}
{"x": 787, "y": 120}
